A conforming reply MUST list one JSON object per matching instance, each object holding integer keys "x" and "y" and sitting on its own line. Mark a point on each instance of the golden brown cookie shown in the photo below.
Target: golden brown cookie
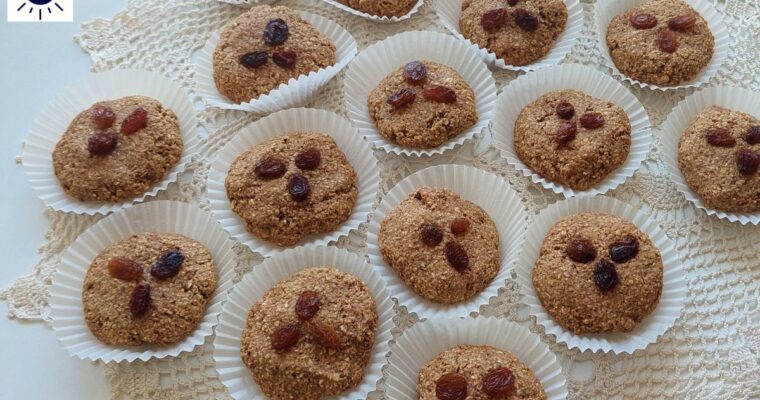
{"x": 176, "y": 272}
{"x": 386, "y": 8}
{"x": 117, "y": 149}
{"x": 311, "y": 335}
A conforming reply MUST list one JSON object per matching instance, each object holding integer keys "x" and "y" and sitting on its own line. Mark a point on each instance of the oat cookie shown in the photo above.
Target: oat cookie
{"x": 663, "y": 42}
{"x": 479, "y": 366}
{"x": 598, "y": 273}
{"x": 519, "y": 32}
{"x": 719, "y": 155}
{"x": 292, "y": 186}
{"x": 264, "y": 47}
{"x": 311, "y": 335}
{"x": 445, "y": 248}
{"x": 113, "y": 151}
{"x": 571, "y": 138}
{"x": 424, "y": 111}
{"x": 386, "y": 8}
{"x": 181, "y": 277}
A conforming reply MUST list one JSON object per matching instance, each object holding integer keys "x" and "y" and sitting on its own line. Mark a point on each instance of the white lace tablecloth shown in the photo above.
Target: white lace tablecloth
{"x": 712, "y": 352}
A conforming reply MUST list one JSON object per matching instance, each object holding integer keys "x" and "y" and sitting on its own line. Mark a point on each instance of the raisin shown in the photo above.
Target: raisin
{"x": 285, "y": 59}
{"x": 643, "y": 21}
{"x": 565, "y": 110}
{"x": 440, "y": 94}
{"x": 269, "y": 168}
{"x": 460, "y": 225}
{"x": 168, "y": 264}
{"x": 139, "y": 300}
{"x": 565, "y": 133}
{"x": 135, "y": 121}
{"x": 103, "y": 116}
{"x": 753, "y": 135}
{"x": 720, "y": 137}
{"x": 525, "y": 20}
{"x": 308, "y": 159}
{"x": 457, "y": 256}
{"x": 451, "y": 386}
{"x": 580, "y": 250}
{"x": 307, "y": 304}
{"x": 125, "y": 269}
{"x": 512, "y": 2}
{"x": 431, "y": 235}
{"x": 747, "y": 162}
{"x": 254, "y": 59}
{"x": 415, "y": 72}
{"x": 101, "y": 144}
{"x": 402, "y": 98}
{"x": 592, "y": 120}
{"x": 682, "y": 22}
{"x": 276, "y": 32}
{"x": 325, "y": 335}
{"x": 498, "y": 382}
{"x": 624, "y": 250}
{"x": 285, "y": 336}
{"x": 494, "y": 19}
{"x": 605, "y": 275}
{"x": 298, "y": 187}
{"x": 667, "y": 41}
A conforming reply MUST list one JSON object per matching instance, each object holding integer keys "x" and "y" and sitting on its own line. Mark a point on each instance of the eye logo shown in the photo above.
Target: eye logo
{"x": 40, "y": 10}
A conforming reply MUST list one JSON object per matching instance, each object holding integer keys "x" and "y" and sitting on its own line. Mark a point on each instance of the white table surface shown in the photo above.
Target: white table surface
{"x": 37, "y": 60}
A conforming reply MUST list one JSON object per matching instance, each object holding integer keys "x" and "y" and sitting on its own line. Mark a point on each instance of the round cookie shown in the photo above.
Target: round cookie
{"x": 266, "y": 202}
{"x": 386, "y": 8}
{"x": 644, "y": 53}
{"x": 133, "y": 162}
{"x": 582, "y": 159}
{"x": 417, "y": 240}
{"x": 473, "y": 363}
{"x": 314, "y": 365}
{"x": 612, "y": 281}
{"x": 518, "y": 32}
{"x": 428, "y": 121}
{"x": 241, "y": 75}
{"x": 719, "y": 155}
{"x": 177, "y": 302}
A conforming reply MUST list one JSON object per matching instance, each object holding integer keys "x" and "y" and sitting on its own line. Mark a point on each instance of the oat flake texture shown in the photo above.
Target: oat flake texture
{"x": 710, "y": 352}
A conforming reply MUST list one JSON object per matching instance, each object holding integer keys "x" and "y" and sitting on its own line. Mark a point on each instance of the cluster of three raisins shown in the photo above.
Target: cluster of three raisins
{"x": 568, "y": 129}
{"x": 415, "y": 73}
{"x": 167, "y": 266}
{"x": 605, "y": 273}
{"x": 287, "y": 335}
{"x": 276, "y": 32}
{"x": 104, "y": 143}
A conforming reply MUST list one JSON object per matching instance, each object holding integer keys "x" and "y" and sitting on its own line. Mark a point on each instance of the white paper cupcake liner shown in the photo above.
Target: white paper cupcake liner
{"x": 415, "y": 348}
{"x": 377, "y": 18}
{"x": 377, "y": 61}
{"x": 350, "y": 143}
{"x": 606, "y": 10}
{"x": 682, "y": 116}
{"x": 248, "y": 2}
{"x": 294, "y": 93}
{"x": 156, "y": 216}
{"x": 490, "y": 192}
{"x": 234, "y": 374}
{"x": 529, "y": 87}
{"x": 449, "y": 12}
{"x": 37, "y": 156}
{"x": 650, "y": 328}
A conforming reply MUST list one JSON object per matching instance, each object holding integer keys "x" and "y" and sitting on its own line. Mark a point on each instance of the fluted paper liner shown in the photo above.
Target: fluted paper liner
{"x": 449, "y": 11}
{"x": 606, "y": 10}
{"x": 650, "y": 329}
{"x": 425, "y": 340}
{"x": 350, "y": 143}
{"x": 294, "y": 93}
{"x": 682, "y": 116}
{"x": 492, "y": 193}
{"x": 380, "y": 59}
{"x": 162, "y": 216}
{"x": 37, "y": 156}
{"x": 235, "y": 375}
{"x": 377, "y": 18}
{"x": 529, "y": 87}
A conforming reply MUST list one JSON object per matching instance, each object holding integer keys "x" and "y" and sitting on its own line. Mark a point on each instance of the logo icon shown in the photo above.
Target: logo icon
{"x": 40, "y": 10}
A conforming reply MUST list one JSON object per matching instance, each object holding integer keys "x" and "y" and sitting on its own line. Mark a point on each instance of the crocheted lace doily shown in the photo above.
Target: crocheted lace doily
{"x": 713, "y": 351}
